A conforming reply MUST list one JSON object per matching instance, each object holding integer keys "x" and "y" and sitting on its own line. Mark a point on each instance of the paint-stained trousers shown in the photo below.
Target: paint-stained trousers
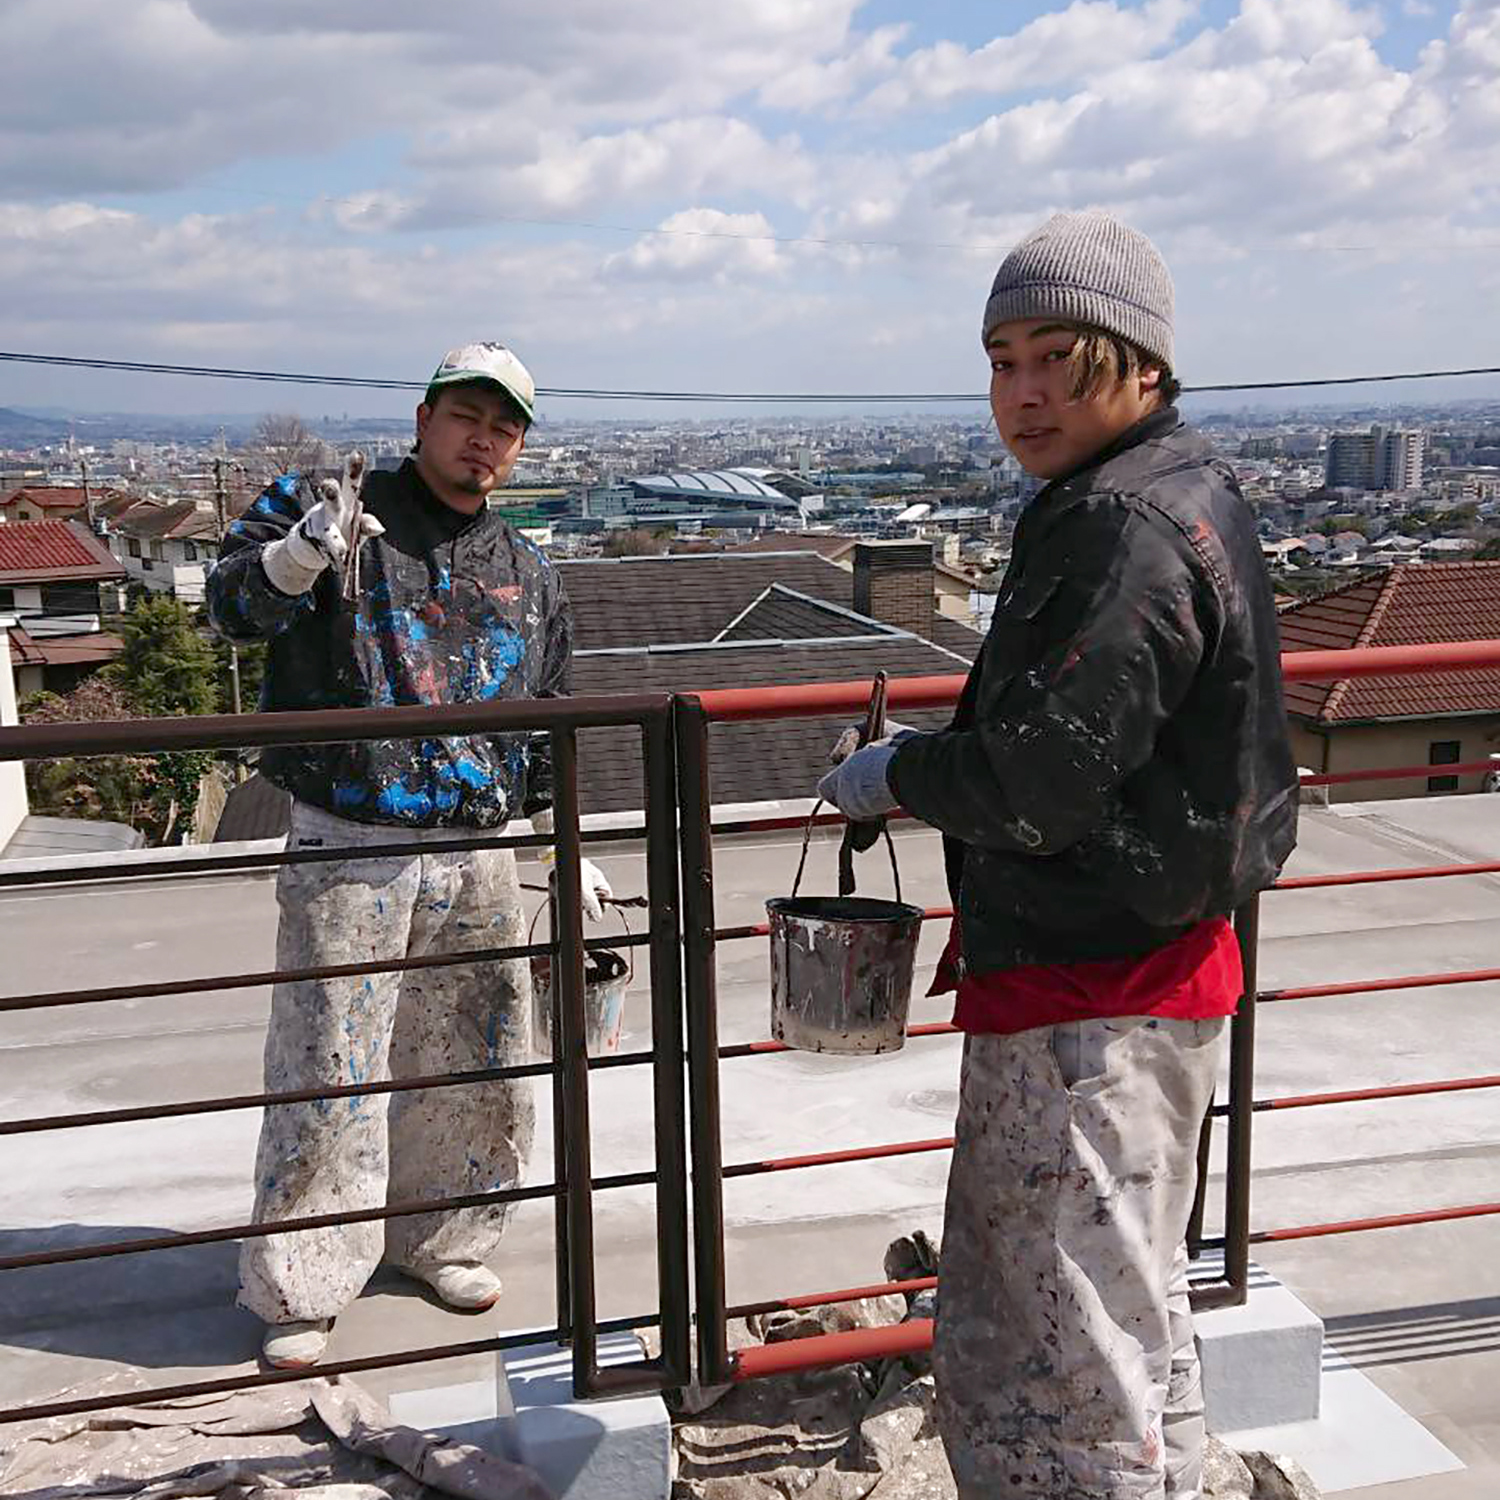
{"x": 343, "y": 1154}
{"x": 1065, "y": 1362}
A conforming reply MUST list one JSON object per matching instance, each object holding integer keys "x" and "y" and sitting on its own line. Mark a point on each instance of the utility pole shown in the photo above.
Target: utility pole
{"x": 88, "y": 499}
{"x": 221, "y": 506}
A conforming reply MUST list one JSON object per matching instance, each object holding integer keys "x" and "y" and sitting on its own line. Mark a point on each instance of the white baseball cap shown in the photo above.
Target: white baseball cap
{"x": 491, "y": 362}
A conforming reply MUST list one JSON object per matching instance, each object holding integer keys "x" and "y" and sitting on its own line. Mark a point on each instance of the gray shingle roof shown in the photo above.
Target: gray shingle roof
{"x": 649, "y": 601}
{"x": 750, "y": 762}
{"x": 782, "y": 614}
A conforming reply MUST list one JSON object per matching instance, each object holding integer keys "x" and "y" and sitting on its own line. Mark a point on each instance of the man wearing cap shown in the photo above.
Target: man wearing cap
{"x": 1116, "y": 781}
{"x": 452, "y": 606}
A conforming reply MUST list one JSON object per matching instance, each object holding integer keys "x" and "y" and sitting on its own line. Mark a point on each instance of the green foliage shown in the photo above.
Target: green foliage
{"x": 252, "y": 665}
{"x": 117, "y": 788}
{"x": 167, "y": 666}
{"x": 1490, "y": 551}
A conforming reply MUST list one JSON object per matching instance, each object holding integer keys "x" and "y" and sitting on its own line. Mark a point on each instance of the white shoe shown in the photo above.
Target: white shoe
{"x": 464, "y": 1284}
{"x": 296, "y": 1346}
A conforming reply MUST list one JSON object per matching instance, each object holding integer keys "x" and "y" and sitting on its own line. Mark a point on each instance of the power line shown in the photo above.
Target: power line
{"x": 285, "y": 377}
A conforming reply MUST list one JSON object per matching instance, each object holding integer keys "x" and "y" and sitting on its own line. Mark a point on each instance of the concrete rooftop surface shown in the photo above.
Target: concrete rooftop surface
{"x": 1416, "y": 1309}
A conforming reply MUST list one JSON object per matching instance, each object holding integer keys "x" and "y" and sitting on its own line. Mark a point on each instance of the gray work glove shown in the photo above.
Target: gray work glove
{"x": 858, "y": 787}
{"x": 323, "y": 535}
{"x": 849, "y": 741}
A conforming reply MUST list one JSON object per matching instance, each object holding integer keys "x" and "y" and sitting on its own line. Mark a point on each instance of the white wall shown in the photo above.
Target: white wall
{"x": 12, "y": 773}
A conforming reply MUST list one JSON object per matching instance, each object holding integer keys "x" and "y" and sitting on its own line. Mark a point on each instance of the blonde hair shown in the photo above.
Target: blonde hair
{"x": 1098, "y": 359}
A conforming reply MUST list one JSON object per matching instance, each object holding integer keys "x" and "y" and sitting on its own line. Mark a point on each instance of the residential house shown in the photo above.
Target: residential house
{"x": 51, "y": 577}
{"x": 1362, "y": 723}
{"x": 41, "y": 502}
{"x": 166, "y": 545}
{"x": 13, "y": 804}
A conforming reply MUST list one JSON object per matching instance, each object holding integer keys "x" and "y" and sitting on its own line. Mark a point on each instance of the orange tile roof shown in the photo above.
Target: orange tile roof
{"x": 1408, "y": 605}
{"x": 49, "y": 497}
{"x": 35, "y": 551}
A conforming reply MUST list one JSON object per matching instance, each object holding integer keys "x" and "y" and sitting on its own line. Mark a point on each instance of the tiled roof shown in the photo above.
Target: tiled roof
{"x": 152, "y": 520}
{"x": 649, "y": 601}
{"x": 90, "y": 647}
{"x": 1409, "y": 605}
{"x": 38, "y": 551}
{"x": 953, "y": 635}
{"x": 750, "y": 762}
{"x": 824, "y": 544}
{"x": 48, "y": 497}
{"x": 782, "y": 614}
{"x": 254, "y": 810}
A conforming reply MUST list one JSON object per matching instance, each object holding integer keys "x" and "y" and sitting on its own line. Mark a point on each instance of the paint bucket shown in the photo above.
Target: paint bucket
{"x": 841, "y": 968}
{"x": 606, "y": 977}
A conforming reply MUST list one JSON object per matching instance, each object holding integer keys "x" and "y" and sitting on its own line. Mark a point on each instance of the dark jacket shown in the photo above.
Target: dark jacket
{"x": 453, "y": 609}
{"x": 1118, "y": 768}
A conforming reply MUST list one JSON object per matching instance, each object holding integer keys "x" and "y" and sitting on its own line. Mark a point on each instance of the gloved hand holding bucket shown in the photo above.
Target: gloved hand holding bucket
{"x": 841, "y": 966}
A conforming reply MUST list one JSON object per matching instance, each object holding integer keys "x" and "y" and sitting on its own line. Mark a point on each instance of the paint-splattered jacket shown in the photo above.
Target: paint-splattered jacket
{"x": 454, "y": 609}
{"x": 1119, "y": 767}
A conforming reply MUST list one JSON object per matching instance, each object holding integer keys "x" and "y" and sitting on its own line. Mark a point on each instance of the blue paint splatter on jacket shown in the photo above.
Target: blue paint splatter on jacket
{"x": 455, "y": 609}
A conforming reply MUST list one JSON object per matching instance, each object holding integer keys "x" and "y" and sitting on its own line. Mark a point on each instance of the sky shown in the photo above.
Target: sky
{"x": 783, "y": 195}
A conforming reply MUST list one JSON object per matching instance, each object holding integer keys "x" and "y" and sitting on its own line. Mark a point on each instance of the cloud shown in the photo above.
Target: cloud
{"x": 702, "y": 244}
{"x": 1256, "y": 148}
{"x": 1089, "y": 35}
{"x": 1284, "y": 126}
{"x": 482, "y": 171}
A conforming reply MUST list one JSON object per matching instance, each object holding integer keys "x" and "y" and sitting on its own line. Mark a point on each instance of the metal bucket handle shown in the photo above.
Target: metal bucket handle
{"x": 812, "y": 817}
{"x": 619, "y": 907}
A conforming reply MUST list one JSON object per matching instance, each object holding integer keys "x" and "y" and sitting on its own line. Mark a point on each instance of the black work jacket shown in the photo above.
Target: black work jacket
{"x": 1119, "y": 767}
{"x": 452, "y": 609}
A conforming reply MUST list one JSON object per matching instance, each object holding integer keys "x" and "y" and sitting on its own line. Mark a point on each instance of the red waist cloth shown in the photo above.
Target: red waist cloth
{"x": 1192, "y": 979}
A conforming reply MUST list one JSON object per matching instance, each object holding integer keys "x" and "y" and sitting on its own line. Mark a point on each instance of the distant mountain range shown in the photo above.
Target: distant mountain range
{"x": 18, "y": 430}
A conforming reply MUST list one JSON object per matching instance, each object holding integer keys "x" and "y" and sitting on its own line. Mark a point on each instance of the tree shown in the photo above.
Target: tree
{"x": 636, "y": 543}
{"x": 168, "y": 668}
{"x": 1490, "y": 551}
{"x": 284, "y": 444}
{"x": 116, "y": 788}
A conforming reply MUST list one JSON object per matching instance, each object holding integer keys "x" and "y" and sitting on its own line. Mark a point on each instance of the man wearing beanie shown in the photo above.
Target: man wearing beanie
{"x": 1116, "y": 781}
{"x": 408, "y": 589}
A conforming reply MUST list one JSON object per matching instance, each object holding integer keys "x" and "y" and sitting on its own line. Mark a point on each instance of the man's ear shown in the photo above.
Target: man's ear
{"x": 424, "y": 416}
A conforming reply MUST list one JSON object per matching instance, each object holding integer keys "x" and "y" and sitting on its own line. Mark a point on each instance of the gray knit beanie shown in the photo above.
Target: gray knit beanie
{"x": 1088, "y": 268}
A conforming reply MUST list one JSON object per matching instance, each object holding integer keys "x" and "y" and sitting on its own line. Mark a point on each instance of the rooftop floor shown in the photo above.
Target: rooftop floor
{"x": 1417, "y": 1309}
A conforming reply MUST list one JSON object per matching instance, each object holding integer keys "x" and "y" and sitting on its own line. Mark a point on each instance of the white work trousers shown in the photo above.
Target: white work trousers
{"x": 337, "y": 1155}
{"x": 1065, "y": 1362}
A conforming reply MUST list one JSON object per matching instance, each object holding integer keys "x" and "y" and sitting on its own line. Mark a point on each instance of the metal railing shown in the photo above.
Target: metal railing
{"x": 682, "y": 939}
{"x": 715, "y": 1364}
{"x": 574, "y": 1185}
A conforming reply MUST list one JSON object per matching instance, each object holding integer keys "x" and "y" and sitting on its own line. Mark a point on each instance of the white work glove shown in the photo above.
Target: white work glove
{"x": 323, "y": 535}
{"x": 595, "y": 886}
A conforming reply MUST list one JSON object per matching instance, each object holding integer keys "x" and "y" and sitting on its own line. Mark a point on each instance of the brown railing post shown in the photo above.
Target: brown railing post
{"x": 703, "y": 1038}
{"x": 570, "y": 1060}
{"x": 561, "y": 1270}
{"x": 1200, "y": 1192}
{"x": 667, "y": 1047}
{"x": 1241, "y": 1108}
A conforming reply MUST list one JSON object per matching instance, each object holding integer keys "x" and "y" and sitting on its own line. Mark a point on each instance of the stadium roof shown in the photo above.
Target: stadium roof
{"x": 742, "y": 485}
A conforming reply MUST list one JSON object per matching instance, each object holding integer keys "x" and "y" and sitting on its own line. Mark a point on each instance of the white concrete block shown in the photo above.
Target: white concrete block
{"x": 1362, "y": 1437}
{"x": 589, "y": 1450}
{"x": 1262, "y": 1362}
{"x": 582, "y": 1450}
